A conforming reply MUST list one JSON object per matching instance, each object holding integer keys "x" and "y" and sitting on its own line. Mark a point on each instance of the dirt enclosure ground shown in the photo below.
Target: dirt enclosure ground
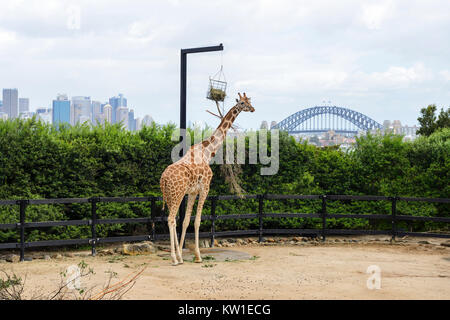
{"x": 303, "y": 270}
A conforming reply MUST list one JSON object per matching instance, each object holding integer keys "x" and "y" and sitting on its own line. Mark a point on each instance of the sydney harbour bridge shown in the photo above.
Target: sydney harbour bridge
{"x": 321, "y": 119}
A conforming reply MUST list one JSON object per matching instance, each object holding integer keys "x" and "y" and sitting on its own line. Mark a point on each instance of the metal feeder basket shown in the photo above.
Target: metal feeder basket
{"x": 216, "y": 90}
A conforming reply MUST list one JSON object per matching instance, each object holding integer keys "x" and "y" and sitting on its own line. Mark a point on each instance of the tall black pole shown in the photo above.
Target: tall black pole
{"x": 183, "y": 80}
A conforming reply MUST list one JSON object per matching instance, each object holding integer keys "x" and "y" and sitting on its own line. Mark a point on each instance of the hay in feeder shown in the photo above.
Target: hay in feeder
{"x": 216, "y": 94}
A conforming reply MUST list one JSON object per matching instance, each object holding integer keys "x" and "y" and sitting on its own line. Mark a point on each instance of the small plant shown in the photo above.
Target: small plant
{"x": 209, "y": 265}
{"x": 254, "y": 258}
{"x": 115, "y": 259}
{"x": 112, "y": 273}
{"x": 209, "y": 258}
{"x": 11, "y": 288}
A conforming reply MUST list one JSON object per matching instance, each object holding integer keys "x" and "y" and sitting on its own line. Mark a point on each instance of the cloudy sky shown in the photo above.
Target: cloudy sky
{"x": 386, "y": 59}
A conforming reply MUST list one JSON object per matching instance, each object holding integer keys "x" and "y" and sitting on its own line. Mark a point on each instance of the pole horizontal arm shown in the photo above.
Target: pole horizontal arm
{"x": 202, "y": 49}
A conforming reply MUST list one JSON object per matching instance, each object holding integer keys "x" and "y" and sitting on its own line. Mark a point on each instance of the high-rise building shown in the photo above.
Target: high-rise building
{"x": 81, "y": 108}
{"x": 96, "y": 112}
{"x": 61, "y": 110}
{"x": 11, "y": 102}
{"x": 122, "y": 116}
{"x": 1, "y": 105}
{"x": 24, "y": 105}
{"x": 116, "y": 102}
{"x": 131, "y": 121}
{"x": 138, "y": 123}
{"x": 107, "y": 113}
{"x": 3, "y": 116}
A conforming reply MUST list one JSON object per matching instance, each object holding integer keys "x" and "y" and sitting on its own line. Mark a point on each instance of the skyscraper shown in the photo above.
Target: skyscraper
{"x": 107, "y": 113}
{"x": 81, "y": 109}
{"x": 122, "y": 116}
{"x": 96, "y": 112}
{"x": 131, "y": 121}
{"x": 115, "y": 103}
{"x": 138, "y": 123}
{"x": 11, "y": 102}
{"x": 61, "y": 110}
{"x": 24, "y": 105}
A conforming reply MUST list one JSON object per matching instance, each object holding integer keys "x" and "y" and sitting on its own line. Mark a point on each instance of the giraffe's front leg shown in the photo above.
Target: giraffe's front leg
{"x": 198, "y": 219}
{"x": 172, "y": 232}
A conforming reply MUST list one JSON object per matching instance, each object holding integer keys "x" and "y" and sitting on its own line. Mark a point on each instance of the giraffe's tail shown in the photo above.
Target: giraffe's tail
{"x": 163, "y": 188}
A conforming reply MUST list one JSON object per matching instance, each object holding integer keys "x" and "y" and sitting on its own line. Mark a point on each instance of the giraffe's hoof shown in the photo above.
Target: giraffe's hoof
{"x": 175, "y": 263}
{"x": 198, "y": 260}
{"x": 180, "y": 261}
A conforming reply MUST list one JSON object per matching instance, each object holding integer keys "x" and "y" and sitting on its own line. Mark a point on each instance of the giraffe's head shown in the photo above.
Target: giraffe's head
{"x": 243, "y": 103}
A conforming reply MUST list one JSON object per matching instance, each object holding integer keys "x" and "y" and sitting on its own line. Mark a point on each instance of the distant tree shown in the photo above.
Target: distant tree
{"x": 429, "y": 123}
{"x": 443, "y": 120}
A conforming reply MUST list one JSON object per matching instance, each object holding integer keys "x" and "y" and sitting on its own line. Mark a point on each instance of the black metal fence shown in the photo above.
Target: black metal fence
{"x": 394, "y": 218}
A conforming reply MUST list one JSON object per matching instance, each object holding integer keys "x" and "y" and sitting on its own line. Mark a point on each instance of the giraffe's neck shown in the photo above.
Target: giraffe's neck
{"x": 214, "y": 142}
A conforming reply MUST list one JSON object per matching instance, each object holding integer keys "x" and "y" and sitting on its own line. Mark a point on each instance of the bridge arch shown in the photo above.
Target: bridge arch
{"x": 360, "y": 121}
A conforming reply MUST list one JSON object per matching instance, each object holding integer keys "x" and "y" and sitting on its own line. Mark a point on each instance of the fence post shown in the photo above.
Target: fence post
{"x": 153, "y": 213}
{"x": 394, "y": 217}
{"x": 324, "y": 216}
{"x": 213, "y": 220}
{"x": 93, "y": 224}
{"x": 22, "y": 205}
{"x": 260, "y": 216}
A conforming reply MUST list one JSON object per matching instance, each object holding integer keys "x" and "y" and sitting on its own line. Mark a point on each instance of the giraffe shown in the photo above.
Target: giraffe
{"x": 192, "y": 175}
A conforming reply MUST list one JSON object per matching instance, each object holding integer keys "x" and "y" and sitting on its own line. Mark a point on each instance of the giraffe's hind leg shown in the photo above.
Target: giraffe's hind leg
{"x": 179, "y": 256}
{"x": 171, "y": 221}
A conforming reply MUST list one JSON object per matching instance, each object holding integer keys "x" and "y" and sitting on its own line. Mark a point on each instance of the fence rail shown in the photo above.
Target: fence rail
{"x": 21, "y": 226}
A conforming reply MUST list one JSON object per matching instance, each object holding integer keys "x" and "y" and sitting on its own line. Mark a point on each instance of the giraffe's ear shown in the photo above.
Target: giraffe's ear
{"x": 237, "y": 100}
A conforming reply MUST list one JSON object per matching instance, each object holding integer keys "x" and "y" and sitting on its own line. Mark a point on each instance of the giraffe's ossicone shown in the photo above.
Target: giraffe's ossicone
{"x": 192, "y": 175}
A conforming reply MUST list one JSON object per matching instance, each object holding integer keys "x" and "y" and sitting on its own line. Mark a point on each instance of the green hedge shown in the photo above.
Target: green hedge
{"x": 38, "y": 161}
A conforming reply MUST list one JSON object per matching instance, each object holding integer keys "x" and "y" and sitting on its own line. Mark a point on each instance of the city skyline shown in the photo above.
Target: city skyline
{"x": 120, "y": 99}
{"x": 77, "y": 109}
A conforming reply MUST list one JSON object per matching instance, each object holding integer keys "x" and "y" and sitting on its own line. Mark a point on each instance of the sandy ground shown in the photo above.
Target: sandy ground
{"x": 324, "y": 271}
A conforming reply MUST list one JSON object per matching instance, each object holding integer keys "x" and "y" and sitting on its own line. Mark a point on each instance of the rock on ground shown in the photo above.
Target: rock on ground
{"x": 13, "y": 258}
{"x": 133, "y": 249}
{"x": 446, "y": 243}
